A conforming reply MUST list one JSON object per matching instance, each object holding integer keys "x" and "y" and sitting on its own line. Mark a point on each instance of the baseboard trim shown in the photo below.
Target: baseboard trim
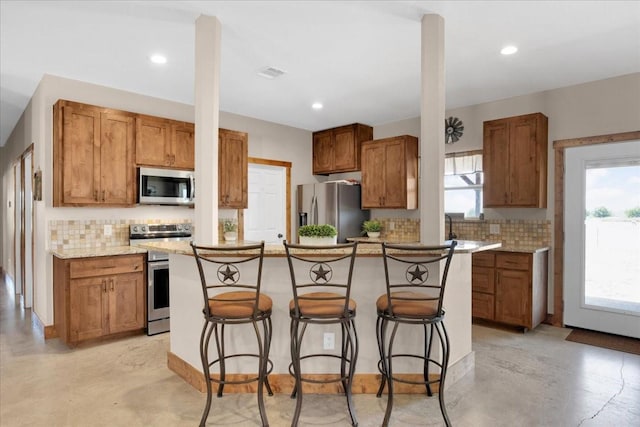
{"x": 283, "y": 383}
{"x": 47, "y": 331}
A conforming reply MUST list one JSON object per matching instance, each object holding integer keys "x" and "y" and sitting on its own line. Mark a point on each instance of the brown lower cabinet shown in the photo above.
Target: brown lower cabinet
{"x": 99, "y": 296}
{"x": 510, "y": 288}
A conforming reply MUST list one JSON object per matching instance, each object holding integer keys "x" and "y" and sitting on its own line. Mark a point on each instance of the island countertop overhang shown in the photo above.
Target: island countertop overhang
{"x": 277, "y": 250}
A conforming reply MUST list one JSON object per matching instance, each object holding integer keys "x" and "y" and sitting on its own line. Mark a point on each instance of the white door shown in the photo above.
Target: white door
{"x": 265, "y": 218}
{"x": 18, "y": 228}
{"x": 602, "y": 238}
{"x": 28, "y": 231}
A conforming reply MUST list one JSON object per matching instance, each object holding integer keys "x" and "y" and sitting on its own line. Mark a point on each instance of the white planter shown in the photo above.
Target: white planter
{"x": 373, "y": 234}
{"x": 230, "y": 235}
{"x": 318, "y": 241}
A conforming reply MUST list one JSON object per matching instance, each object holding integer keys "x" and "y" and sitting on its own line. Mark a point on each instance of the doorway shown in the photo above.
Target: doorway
{"x": 602, "y": 238}
{"x": 268, "y": 216}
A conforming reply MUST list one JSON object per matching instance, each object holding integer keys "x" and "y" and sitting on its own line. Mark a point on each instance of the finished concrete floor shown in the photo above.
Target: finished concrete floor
{"x": 532, "y": 379}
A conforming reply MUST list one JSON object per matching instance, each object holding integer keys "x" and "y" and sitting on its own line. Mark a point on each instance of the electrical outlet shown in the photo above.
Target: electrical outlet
{"x": 494, "y": 228}
{"x": 108, "y": 229}
{"x": 392, "y": 225}
{"x": 328, "y": 341}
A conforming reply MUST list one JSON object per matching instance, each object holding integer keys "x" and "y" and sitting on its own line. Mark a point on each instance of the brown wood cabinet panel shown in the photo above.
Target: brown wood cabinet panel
{"x": 513, "y": 261}
{"x": 390, "y": 173}
{"x": 183, "y": 145}
{"x": 164, "y": 142}
{"x": 93, "y": 304}
{"x": 93, "y": 156}
{"x": 483, "y": 259}
{"x": 513, "y": 297}
{"x": 126, "y": 302}
{"x": 482, "y": 279}
{"x": 153, "y": 141}
{"x": 515, "y": 161}
{"x": 89, "y": 308}
{"x": 323, "y": 152}
{"x": 233, "y": 151}
{"x": 482, "y": 305}
{"x": 339, "y": 149}
{"x": 517, "y": 286}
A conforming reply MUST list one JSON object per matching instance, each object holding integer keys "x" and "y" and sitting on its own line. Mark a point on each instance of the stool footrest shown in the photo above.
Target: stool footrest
{"x": 245, "y": 381}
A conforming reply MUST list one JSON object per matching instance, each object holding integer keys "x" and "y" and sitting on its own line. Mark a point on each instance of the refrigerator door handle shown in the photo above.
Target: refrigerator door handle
{"x": 314, "y": 210}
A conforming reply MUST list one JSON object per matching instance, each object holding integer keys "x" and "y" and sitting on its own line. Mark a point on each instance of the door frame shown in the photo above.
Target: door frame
{"x": 287, "y": 195}
{"x": 559, "y": 146}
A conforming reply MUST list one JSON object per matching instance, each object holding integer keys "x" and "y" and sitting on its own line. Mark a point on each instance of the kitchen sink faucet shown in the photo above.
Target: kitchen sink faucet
{"x": 452, "y": 235}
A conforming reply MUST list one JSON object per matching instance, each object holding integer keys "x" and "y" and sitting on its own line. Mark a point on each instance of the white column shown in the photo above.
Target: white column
{"x": 207, "y": 108}
{"x": 432, "y": 110}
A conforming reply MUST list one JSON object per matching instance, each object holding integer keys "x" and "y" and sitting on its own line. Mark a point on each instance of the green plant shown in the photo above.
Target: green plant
{"x": 371, "y": 226}
{"x": 229, "y": 224}
{"x": 633, "y": 212}
{"x": 601, "y": 212}
{"x": 313, "y": 230}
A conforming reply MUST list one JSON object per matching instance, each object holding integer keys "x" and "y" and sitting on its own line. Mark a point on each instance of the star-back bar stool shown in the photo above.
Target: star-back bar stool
{"x": 231, "y": 277}
{"x": 414, "y": 296}
{"x": 321, "y": 284}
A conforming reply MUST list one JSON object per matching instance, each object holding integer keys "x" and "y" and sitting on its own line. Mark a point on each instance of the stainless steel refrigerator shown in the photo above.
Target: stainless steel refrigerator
{"x": 334, "y": 203}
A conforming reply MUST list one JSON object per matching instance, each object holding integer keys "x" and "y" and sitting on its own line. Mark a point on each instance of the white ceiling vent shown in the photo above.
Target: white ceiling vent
{"x": 271, "y": 72}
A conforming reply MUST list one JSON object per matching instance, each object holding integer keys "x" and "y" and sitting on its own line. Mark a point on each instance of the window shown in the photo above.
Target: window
{"x": 463, "y": 181}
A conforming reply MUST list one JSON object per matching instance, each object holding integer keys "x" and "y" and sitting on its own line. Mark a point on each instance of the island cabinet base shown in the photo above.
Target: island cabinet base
{"x": 283, "y": 383}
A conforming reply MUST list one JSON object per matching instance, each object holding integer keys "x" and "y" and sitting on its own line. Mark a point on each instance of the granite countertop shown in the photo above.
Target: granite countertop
{"x": 464, "y": 246}
{"x": 96, "y": 252}
{"x": 531, "y": 249}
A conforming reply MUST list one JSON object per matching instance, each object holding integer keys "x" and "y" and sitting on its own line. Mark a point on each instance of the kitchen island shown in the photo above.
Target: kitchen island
{"x": 368, "y": 284}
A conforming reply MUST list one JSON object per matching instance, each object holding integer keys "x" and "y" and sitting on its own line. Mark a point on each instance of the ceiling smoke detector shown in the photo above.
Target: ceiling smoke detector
{"x": 270, "y": 72}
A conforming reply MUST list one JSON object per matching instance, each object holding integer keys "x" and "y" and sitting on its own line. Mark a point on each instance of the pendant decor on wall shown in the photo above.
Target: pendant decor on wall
{"x": 452, "y": 130}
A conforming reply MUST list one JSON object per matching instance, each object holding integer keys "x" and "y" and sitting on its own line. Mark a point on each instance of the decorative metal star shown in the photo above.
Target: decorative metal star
{"x": 322, "y": 273}
{"x": 417, "y": 273}
{"x": 227, "y": 274}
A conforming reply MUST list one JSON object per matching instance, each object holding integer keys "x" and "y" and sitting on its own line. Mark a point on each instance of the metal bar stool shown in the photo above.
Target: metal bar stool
{"x": 414, "y": 297}
{"x": 321, "y": 284}
{"x": 231, "y": 278}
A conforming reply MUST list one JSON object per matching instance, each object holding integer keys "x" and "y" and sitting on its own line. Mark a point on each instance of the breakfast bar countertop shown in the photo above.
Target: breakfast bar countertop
{"x": 464, "y": 246}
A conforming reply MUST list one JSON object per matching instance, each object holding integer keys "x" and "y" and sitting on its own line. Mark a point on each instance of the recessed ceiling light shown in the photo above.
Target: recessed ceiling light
{"x": 316, "y": 106}
{"x": 509, "y": 50}
{"x": 158, "y": 59}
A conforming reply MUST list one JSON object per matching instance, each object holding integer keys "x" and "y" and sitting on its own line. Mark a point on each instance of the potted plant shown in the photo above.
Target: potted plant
{"x": 372, "y": 228}
{"x": 317, "y": 234}
{"x": 230, "y": 229}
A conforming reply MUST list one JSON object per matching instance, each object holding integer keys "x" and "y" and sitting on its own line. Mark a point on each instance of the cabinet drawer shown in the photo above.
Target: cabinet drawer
{"x": 101, "y": 266}
{"x": 513, "y": 261}
{"x": 483, "y": 259}
{"x": 482, "y": 305}
{"x": 483, "y": 280}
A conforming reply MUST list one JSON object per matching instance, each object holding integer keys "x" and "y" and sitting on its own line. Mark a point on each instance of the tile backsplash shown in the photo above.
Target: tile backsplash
{"x": 90, "y": 234}
{"x": 511, "y": 232}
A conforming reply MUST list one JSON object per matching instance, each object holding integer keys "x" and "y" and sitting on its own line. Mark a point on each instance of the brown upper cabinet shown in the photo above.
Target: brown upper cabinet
{"x": 233, "y": 151}
{"x": 390, "y": 173}
{"x": 515, "y": 162}
{"x": 93, "y": 151}
{"x": 338, "y": 149}
{"x": 164, "y": 143}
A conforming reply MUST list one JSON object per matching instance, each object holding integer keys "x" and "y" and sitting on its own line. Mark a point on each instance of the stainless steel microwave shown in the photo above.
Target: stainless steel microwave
{"x": 165, "y": 186}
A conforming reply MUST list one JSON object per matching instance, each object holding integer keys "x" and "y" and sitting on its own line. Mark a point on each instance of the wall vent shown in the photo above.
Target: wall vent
{"x": 271, "y": 72}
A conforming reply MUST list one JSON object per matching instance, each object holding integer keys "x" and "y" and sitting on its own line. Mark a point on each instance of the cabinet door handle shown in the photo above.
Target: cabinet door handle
{"x": 173, "y": 159}
{"x": 111, "y": 283}
{"x": 95, "y": 195}
{"x": 104, "y": 286}
{"x": 103, "y": 195}
{"x": 167, "y": 159}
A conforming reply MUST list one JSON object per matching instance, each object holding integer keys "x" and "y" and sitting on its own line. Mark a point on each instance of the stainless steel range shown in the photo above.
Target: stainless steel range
{"x": 158, "y": 269}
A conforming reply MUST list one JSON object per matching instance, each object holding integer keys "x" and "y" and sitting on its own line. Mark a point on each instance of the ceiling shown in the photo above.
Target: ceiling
{"x": 360, "y": 59}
